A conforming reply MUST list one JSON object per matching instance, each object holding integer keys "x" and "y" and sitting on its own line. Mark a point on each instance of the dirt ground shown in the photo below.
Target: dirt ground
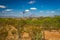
{"x": 52, "y": 35}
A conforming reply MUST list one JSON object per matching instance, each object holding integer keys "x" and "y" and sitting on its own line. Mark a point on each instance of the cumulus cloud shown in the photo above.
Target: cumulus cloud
{"x": 27, "y": 10}
{"x": 8, "y": 10}
{"x": 2, "y": 6}
{"x": 47, "y": 11}
{"x": 50, "y": 11}
{"x": 33, "y": 8}
{"x": 31, "y": 2}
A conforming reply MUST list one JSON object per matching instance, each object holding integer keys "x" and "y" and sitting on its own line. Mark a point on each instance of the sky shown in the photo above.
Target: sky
{"x": 29, "y": 8}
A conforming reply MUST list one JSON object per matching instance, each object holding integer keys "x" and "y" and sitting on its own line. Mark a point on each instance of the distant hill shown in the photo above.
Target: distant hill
{"x": 9, "y": 17}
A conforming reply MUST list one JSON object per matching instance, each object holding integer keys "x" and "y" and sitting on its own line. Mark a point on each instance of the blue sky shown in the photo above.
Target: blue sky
{"x": 29, "y": 7}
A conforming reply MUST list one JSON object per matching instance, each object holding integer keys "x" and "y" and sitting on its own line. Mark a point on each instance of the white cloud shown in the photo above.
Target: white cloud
{"x": 47, "y": 11}
{"x": 31, "y": 2}
{"x": 33, "y": 8}
{"x": 8, "y": 10}
{"x": 27, "y": 10}
{"x": 2, "y": 6}
{"x": 50, "y": 11}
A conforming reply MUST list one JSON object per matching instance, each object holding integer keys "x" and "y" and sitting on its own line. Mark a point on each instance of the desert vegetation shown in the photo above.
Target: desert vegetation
{"x": 35, "y": 27}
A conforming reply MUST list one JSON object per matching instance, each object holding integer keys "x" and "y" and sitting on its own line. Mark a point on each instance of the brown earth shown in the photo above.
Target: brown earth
{"x": 25, "y": 36}
{"x": 52, "y": 35}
